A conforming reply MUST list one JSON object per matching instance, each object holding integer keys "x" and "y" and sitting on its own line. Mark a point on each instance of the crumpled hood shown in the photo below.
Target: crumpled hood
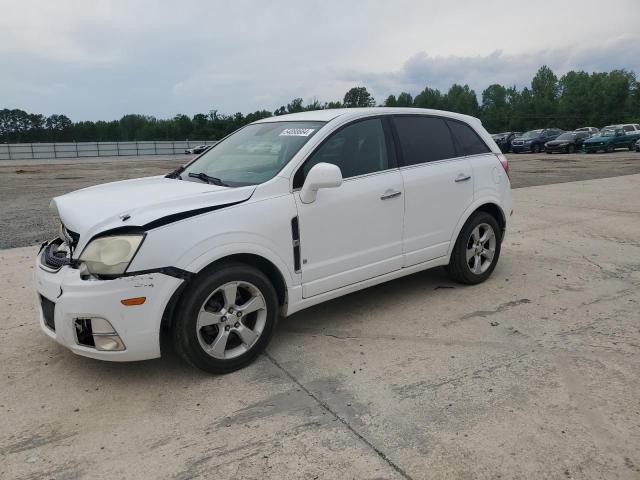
{"x": 135, "y": 203}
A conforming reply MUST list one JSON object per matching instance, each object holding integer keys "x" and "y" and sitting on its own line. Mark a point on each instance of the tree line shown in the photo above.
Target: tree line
{"x": 573, "y": 100}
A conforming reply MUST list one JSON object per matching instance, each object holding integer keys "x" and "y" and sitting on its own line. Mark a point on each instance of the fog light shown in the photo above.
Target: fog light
{"x": 109, "y": 343}
{"x": 99, "y": 334}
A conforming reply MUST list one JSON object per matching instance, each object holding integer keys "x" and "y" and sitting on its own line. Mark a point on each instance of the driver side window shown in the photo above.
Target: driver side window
{"x": 358, "y": 149}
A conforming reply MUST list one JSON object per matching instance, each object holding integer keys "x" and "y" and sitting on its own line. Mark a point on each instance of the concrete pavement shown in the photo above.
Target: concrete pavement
{"x": 533, "y": 374}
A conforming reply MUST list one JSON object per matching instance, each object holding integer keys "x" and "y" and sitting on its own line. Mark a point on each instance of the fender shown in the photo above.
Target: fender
{"x": 227, "y": 249}
{"x": 493, "y": 199}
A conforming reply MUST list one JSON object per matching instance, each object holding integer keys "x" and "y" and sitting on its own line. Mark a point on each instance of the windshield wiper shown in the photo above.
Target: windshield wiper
{"x": 209, "y": 179}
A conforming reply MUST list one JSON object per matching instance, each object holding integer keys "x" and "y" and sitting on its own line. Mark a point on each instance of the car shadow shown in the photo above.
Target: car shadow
{"x": 393, "y": 294}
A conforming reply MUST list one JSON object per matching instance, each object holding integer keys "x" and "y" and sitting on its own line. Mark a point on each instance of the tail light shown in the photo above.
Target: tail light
{"x": 504, "y": 162}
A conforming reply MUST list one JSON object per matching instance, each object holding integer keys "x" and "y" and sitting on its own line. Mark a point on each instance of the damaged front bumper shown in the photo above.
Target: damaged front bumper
{"x": 89, "y": 318}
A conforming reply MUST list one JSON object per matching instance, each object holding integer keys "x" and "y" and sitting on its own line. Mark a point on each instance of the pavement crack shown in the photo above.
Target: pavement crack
{"x": 485, "y": 313}
{"x": 335, "y": 415}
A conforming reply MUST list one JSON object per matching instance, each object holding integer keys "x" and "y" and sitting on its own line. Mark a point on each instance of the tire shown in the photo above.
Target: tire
{"x": 237, "y": 345}
{"x": 536, "y": 148}
{"x": 571, "y": 149}
{"x": 609, "y": 149}
{"x": 461, "y": 267}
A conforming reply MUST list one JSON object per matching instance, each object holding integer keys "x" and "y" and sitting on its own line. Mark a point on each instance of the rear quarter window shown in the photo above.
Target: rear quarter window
{"x": 424, "y": 139}
{"x": 469, "y": 142}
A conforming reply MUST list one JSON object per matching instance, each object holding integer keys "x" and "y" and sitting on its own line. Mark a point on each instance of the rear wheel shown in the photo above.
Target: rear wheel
{"x": 477, "y": 250}
{"x": 226, "y": 318}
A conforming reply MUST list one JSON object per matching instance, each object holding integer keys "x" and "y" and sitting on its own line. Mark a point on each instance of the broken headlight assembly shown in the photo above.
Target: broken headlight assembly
{"x": 109, "y": 256}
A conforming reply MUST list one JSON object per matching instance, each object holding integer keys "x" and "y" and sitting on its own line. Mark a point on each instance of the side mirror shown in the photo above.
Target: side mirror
{"x": 322, "y": 175}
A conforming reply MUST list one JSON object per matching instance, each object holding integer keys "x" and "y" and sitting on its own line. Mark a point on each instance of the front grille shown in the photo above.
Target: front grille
{"x": 48, "y": 308}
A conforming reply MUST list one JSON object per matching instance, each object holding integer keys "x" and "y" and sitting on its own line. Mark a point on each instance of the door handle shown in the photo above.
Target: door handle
{"x": 462, "y": 178}
{"x": 390, "y": 194}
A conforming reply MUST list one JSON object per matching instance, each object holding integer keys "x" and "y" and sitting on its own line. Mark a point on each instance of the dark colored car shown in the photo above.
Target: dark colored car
{"x": 567, "y": 142}
{"x": 609, "y": 140}
{"x": 503, "y": 140}
{"x": 534, "y": 140}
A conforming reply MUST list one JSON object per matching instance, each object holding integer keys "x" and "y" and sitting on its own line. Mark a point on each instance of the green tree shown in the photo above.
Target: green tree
{"x": 495, "y": 109}
{"x": 544, "y": 96}
{"x": 391, "y": 101}
{"x": 358, "y": 97}
{"x": 462, "y": 99}
{"x": 405, "y": 100}
{"x": 429, "y": 98}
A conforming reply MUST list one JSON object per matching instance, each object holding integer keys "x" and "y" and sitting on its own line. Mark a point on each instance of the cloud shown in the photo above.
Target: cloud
{"x": 478, "y": 72}
{"x": 100, "y": 60}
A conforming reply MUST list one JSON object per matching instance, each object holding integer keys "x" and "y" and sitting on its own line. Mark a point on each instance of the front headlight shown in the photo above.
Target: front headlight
{"x": 110, "y": 255}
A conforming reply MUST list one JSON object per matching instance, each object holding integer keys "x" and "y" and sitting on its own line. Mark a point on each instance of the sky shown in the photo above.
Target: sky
{"x": 99, "y": 60}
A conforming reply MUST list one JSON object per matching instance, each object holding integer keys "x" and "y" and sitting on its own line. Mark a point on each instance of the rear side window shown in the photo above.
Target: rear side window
{"x": 628, "y": 128}
{"x": 468, "y": 140}
{"x": 424, "y": 139}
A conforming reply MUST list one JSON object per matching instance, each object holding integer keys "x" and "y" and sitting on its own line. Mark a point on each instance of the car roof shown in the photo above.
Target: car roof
{"x": 346, "y": 113}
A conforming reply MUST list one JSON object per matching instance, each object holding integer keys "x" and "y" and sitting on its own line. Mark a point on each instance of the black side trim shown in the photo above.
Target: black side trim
{"x": 176, "y": 217}
{"x": 170, "y": 271}
{"x": 295, "y": 236}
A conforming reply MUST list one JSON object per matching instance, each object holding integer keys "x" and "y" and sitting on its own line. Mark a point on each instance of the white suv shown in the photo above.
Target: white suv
{"x": 285, "y": 213}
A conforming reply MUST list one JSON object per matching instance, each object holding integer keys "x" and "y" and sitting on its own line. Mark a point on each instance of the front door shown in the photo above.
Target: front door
{"x": 353, "y": 232}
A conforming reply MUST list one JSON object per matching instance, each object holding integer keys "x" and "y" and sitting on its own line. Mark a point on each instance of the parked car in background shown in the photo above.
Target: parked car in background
{"x": 610, "y": 139}
{"x": 629, "y": 128}
{"x": 638, "y": 146}
{"x": 534, "y": 140}
{"x": 197, "y": 150}
{"x": 589, "y": 130}
{"x": 567, "y": 142}
{"x": 214, "y": 252}
{"x": 504, "y": 139}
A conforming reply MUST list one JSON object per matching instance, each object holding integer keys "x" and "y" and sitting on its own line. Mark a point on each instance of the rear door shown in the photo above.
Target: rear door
{"x": 438, "y": 185}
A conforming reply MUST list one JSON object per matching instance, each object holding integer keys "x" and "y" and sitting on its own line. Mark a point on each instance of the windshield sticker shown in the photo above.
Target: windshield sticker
{"x": 297, "y": 132}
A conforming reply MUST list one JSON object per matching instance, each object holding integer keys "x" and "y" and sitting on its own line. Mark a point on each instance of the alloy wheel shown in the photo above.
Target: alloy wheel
{"x": 481, "y": 248}
{"x": 231, "y": 320}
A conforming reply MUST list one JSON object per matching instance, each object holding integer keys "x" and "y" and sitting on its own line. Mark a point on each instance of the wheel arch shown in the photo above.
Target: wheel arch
{"x": 490, "y": 206}
{"x": 259, "y": 262}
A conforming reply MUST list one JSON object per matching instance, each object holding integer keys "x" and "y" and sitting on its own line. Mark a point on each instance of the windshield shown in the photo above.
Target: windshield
{"x": 532, "y": 134}
{"x": 567, "y": 136}
{"x": 251, "y": 155}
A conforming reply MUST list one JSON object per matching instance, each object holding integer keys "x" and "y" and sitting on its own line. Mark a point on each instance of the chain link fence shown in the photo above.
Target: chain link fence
{"x": 25, "y": 151}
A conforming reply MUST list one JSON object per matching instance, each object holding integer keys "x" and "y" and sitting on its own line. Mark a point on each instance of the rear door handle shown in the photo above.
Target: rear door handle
{"x": 462, "y": 178}
{"x": 390, "y": 194}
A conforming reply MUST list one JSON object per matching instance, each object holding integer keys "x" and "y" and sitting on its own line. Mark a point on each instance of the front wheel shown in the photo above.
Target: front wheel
{"x": 610, "y": 149}
{"x": 477, "y": 250}
{"x": 571, "y": 149}
{"x": 226, "y": 318}
{"x": 536, "y": 148}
